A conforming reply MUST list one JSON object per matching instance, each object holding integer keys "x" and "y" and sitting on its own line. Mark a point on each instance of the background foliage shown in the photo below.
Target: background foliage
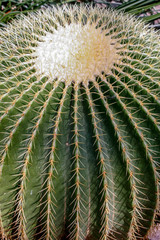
{"x": 149, "y": 10}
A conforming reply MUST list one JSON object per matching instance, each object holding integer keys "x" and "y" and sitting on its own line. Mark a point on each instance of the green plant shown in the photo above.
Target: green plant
{"x": 79, "y": 126}
{"x": 141, "y": 6}
{"x": 11, "y": 8}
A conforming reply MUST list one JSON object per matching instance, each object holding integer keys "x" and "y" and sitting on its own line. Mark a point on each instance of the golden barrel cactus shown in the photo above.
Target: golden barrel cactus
{"x": 79, "y": 126}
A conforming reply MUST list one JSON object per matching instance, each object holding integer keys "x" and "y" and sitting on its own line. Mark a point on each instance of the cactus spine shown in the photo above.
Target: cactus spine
{"x": 79, "y": 126}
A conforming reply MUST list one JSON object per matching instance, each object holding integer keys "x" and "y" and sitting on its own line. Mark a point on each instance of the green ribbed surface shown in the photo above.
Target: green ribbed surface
{"x": 79, "y": 161}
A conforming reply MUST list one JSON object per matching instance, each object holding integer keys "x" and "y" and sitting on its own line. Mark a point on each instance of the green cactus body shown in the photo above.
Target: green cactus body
{"x": 79, "y": 126}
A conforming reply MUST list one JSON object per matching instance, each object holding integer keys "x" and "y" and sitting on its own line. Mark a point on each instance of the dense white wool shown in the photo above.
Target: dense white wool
{"x": 154, "y": 233}
{"x": 75, "y": 52}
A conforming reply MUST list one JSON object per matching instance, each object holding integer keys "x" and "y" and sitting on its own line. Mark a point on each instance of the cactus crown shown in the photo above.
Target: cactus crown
{"x": 79, "y": 126}
{"x": 75, "y": 52}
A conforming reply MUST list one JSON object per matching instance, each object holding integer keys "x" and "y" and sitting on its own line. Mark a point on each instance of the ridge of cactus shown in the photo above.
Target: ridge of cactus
{"x": 79, "y": 126}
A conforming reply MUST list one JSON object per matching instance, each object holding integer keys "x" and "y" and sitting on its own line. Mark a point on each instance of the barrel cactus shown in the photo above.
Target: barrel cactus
{"x": 79, "y": 126}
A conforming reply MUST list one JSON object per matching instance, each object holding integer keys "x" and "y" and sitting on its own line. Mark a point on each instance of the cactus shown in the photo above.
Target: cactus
{"x": 79, "y": 126}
